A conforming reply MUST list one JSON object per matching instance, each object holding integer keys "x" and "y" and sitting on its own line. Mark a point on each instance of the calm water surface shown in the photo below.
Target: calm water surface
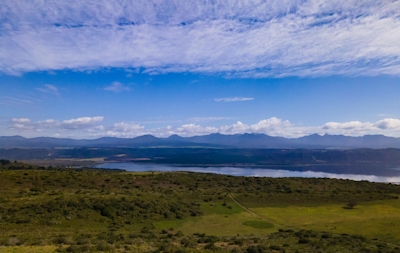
{"x": 369, "y": 173}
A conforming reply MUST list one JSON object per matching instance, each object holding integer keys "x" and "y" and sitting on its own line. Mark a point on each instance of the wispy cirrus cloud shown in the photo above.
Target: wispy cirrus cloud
{"x": 117, "y": 87}
{"x": 25, "y": 124}
{"x": 233, "y": 99}
{"x": 7, "y": 100}
{"x": 208, "y": 119}
{"x": 269, "y": 38}
{"x": 48, "y": 88}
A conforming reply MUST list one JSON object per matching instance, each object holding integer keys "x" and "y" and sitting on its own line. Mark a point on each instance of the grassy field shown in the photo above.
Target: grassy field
{"x": 375, "y": 219}
{"x": 87, "y": 210}
{"x": 222, "y": 219}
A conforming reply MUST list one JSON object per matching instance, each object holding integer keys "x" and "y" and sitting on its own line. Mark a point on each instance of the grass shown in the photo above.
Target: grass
{"x": 220, "y": 225}
{"x": 94, "y": 210}
{"x": 259, "y": 224}
{"x": 220, "y": 220}
{"x": 28, "y": 249}
{"x": 375, "y": 219}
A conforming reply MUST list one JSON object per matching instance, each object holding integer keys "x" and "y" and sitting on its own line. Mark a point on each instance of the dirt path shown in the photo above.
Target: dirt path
{"x": 253, "y": 213}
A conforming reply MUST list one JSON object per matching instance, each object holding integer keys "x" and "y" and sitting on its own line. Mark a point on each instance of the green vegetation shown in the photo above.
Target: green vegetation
{"x": 258, "y": 224}
{"x": 89, "y": 210}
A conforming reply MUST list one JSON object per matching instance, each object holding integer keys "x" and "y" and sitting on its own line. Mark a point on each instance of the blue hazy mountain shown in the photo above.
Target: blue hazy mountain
{"x": 313, "y": 141}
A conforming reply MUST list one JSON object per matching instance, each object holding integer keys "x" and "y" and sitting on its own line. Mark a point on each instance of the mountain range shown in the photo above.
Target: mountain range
{"x": 313, "y": 141}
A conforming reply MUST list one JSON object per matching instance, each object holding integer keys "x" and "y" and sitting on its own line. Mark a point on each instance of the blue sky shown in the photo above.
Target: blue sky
{"x": 114, "y": 68}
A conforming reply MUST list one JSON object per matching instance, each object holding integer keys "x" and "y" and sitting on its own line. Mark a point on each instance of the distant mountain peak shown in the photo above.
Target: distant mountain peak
{"x": 17, "y": 137}
{"x": 175, "y": 136}
{"x": 247, "y": 140}
{"x": 146, "y": 136}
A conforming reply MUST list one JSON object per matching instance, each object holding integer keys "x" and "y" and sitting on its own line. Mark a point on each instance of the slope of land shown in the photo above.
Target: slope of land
{"x": 88, "y": 210}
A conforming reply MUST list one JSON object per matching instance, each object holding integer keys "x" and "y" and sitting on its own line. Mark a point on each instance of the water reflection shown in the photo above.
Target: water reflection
{"x": 380, "y": 174}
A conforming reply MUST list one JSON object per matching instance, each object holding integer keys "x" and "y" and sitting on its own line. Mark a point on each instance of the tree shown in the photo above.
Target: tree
{"x": 351, "y": 204}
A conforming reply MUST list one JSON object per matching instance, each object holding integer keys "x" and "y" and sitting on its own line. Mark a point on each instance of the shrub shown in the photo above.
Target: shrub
{"x": 12, "y": 241}
{"x": 179, "y": 234}
{"x": 188, "y": 243}
{"x": 256, "y": 249}
{"x": 210, "y": 246}
{"x": 351, "y": 204}
{"x": 303, "y": 240}
{"x": 103, "y": 246}
{"x": 275, "y": 247}
{"x": 325, "y": 236}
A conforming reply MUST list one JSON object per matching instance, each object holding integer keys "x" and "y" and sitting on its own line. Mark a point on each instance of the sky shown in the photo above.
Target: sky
{"x": 95, "y": 68}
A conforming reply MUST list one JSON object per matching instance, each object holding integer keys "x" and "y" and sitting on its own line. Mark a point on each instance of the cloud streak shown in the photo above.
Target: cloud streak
{"x": 117, "y": 87}
{"x": 48, "y": 88}
{"x": 233, "y": 99}
{"x": 7, "y": 100}
{"x": 237, "y": 38}
{"x": 25, "y": 124}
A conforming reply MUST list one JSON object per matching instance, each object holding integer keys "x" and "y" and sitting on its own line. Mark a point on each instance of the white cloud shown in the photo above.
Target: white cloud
{"x": 90, "y": 127}
{"x": 125, "y": 129}
{"x": 352, "y": 125}
{"x": 21, "y": 120}
{"x": 6, "y": 100}
{"x": 51, "y": 124}
{"x": 205, "y": 119}
{"x": 232, "y": 99}
{"x": 237, "y": 128}
{"x": 384, "y": 115}
{"x": 243, "y": 38}
{"x": 272, "y": 126}
{"x": 270, "y": 123}
{"x": 193, "y": 129}
{"x": 389, "y": 123}
{"x": 23, "y": 124}
{"x": 81, "y": 122}
{"x": 117, "y": 87}
{"x": 48, "y": 88}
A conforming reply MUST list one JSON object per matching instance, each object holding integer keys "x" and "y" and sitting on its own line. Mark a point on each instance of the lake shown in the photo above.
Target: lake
{"x": 353, "y": 172}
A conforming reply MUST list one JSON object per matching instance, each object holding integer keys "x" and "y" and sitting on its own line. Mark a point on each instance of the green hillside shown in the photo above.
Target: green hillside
{"x": 88, "y": 210}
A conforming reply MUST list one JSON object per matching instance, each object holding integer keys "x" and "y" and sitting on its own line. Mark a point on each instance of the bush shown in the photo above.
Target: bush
{"x": 188, "y": 243}
{"x": 103, "y": 246}
{"x": 275, "y": 247}
{"x": 62, "y": 240}
{"x": 13, "y": 241}
{"x": 351, "y": 204}
{"x": 324, "y": 236}
{"x": 256, "y": 249}
{"x": 210, "y": 246}
{"x": 179, "y": 234}
{"x": 303, "y": 240}
{"x": 238, "y": 241}
{"x": 211, "y": 239}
